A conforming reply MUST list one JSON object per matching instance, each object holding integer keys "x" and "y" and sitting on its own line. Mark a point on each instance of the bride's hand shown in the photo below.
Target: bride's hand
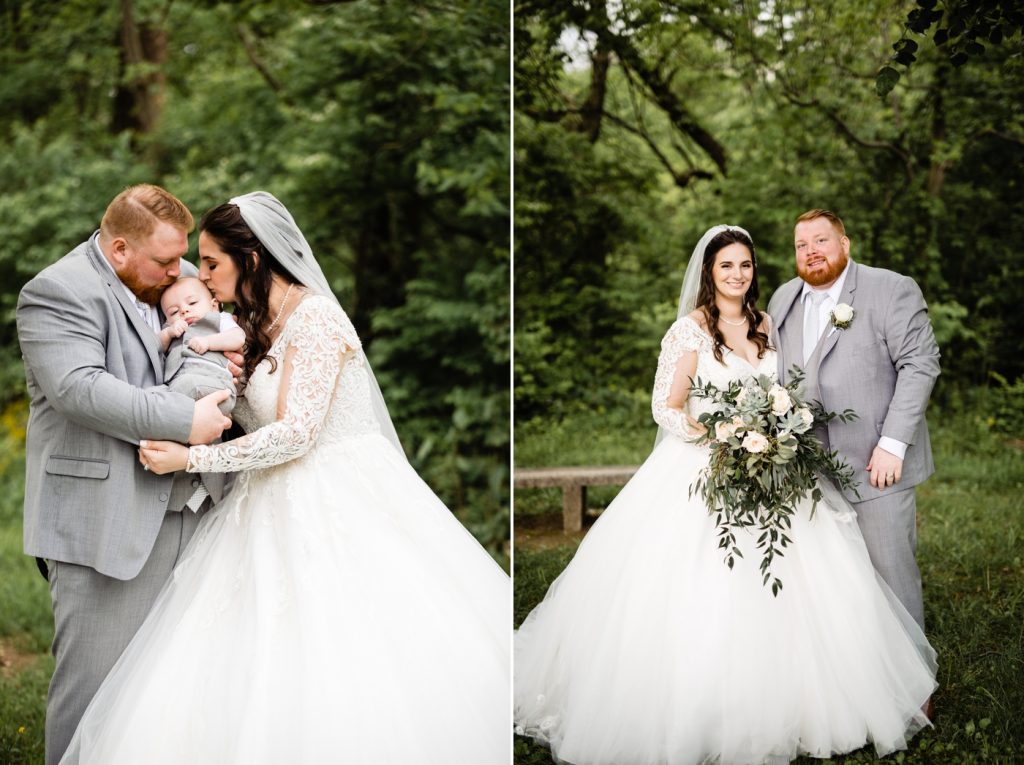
{"x": 163, "y": 456}
{"x": 695, "y": 429}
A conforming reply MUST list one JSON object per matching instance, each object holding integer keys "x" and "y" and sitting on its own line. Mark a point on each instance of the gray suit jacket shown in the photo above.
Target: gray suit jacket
{"x": 94, "y": 369}
{"x": 883, "y": 367}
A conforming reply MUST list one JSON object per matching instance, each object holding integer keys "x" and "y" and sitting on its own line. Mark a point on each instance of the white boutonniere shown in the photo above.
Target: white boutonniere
{"x": 842, "y": 316}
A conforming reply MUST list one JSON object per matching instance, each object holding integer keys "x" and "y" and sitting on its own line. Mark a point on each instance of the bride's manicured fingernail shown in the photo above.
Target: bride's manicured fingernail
{"x": 144, "y": 444}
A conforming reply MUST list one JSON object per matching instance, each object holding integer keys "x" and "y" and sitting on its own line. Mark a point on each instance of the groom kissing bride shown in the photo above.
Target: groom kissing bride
{"x": 327, "y": 605}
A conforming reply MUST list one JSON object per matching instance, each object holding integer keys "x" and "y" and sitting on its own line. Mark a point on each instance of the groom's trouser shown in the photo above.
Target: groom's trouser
{"x": 889, "y": 527}
{"x": 95, "y": 617}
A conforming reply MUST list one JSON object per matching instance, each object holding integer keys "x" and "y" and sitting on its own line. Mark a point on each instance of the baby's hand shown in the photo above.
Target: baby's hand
{"x": 179, "y": 327}
{"x": 199, "y": 344}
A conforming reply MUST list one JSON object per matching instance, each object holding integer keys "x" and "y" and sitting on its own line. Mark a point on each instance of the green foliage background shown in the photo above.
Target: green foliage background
{"x": 640, "y": 124}
{"x": 383, "y": 127}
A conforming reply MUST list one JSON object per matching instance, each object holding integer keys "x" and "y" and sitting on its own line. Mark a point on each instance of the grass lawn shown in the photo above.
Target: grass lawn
{"x": 26, "y": 627}
{"x": 26, "y": 623}
{"x": 971, "y": 553}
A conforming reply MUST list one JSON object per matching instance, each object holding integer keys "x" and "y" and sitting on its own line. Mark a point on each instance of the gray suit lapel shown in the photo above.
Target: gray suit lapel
{"x": 145, "y": 332}
{"x": 790, "y": 332}
{"x": 847, "y": 296}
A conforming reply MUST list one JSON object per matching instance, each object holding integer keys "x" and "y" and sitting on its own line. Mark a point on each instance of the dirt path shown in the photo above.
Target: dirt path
{"x": 542, "y": 532}
{"x": 12, "y": 659}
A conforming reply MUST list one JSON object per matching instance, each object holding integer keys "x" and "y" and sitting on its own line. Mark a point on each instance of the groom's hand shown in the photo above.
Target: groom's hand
{"x": 886, "y": 468}
{"x": 207, "y": 421}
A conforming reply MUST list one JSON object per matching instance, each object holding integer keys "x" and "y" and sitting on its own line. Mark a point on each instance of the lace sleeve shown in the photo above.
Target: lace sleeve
{"x": 682, "y": 337}
{"x": 320, "y": 334}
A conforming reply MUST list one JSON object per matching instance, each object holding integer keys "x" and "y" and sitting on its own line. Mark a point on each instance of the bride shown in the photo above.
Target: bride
{"x": 648, "y": 650}
{"x": 330, "y": 608}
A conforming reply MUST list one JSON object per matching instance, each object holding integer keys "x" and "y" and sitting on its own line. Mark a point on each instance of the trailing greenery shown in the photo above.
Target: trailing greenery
{"x": 764, "y": 461}
{"x": 970, "y": 554}
{"x": 962, "y": 29}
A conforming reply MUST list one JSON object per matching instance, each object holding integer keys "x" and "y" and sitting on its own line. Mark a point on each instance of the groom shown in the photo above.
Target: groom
{"x": 109, "y": 531}
{"x": 863, "y": 337}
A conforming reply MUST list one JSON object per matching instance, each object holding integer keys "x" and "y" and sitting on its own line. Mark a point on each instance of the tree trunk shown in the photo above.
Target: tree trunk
{"x": 593, "y": 108}
{"x": 140, "y": 96}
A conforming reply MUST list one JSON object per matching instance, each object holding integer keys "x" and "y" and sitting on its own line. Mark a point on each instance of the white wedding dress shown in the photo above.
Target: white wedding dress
{"x": 648, "y": 650}
{"x": 330, "y": 609}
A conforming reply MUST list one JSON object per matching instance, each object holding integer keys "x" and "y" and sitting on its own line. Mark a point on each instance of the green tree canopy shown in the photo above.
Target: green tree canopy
{"x": 382, "y": 126}
{"x": 640, "y": 124}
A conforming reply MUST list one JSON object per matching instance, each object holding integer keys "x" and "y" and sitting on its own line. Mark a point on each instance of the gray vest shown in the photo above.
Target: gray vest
{"x": 812, "y": 392}
{"x": 179, "y": 354}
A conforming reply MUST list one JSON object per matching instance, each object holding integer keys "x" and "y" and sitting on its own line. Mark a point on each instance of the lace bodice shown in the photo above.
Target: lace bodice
{"x": 686, "y": 335}
{"x": 328, "y": 397}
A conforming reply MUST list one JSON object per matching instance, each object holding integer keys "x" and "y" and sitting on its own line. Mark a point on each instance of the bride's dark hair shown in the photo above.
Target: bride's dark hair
{"x": 226, "y": 226}
{"x": 706, "y": 294}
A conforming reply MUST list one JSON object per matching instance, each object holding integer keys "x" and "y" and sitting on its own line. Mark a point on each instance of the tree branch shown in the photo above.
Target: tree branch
{"x": 246, "y": 37}
{"x": 1008, "y": 137}
{"x": 682, "y": 180}
{"x": 661, "y": 91}
{"x": 847, "y": 131}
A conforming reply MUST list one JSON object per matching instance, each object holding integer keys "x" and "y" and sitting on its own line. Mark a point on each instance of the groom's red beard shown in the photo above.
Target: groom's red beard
{"x": 824, "y": 274}
{"x": 145, "y": 292}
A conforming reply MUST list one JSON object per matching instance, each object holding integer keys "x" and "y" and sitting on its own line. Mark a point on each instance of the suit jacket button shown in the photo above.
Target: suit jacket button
{"x": 163, "y": 496}
{"x": 195, "y": 483}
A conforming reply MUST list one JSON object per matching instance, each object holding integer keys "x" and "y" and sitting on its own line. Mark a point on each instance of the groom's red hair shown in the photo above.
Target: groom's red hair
{"x": 135, "y": 211}
{"x": 830, "y": 216}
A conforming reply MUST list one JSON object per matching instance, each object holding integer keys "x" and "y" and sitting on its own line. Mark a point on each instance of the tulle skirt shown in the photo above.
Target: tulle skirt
{"x": 648, "y": 650}
{"x": 329, "y": 610}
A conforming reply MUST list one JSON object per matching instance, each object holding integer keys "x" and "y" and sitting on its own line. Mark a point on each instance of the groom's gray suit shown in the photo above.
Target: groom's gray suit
{"x": 110, "y": 531}
{"x": 883, "y": 366}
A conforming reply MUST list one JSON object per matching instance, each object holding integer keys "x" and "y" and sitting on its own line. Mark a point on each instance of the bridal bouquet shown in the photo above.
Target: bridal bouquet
{"x": 764, "y": 461}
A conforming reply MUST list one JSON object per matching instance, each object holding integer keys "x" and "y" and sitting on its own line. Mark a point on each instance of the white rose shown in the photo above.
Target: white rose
{"x": 741, "y": 396}
{"x": 754, "y": 442}
{"x": 843, "y": 312}
{"x": 781, "y": 402}
{"x": 725, "y": 430}
{"x": 806, "y": 416}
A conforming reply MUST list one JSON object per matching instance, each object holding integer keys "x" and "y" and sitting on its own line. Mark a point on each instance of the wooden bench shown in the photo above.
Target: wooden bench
{"x": 574, "y": 482}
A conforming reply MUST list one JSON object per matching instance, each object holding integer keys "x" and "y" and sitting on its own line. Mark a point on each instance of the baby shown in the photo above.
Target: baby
{"x": 194, "y": 333}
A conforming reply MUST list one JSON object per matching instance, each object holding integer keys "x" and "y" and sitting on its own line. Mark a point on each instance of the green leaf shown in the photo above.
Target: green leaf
{"x": 886, "y": 80}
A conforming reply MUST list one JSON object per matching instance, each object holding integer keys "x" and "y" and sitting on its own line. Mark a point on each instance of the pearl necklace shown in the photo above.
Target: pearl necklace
{"x": 739, "y": 323}
{"x": 280, "y": 310}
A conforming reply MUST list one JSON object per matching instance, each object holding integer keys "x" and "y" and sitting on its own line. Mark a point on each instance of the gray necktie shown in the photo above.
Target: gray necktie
{"x": 143, "y": 309}
{"x": 812, "y": 329}
{"x": 200, "y": 494}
